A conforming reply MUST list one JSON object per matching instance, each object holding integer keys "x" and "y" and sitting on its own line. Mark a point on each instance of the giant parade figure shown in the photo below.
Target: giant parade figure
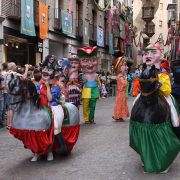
{"x": 153, "y": 115}
{"x": 74, "y": 86}
{"x": 90, "y": 92}
{"x": 39, "y": 121}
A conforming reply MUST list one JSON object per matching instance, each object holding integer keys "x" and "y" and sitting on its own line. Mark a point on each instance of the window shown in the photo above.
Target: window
{"x": 161, "y": 6}
{"x": 174, "y": 1}
{"x": 160, "y": 23}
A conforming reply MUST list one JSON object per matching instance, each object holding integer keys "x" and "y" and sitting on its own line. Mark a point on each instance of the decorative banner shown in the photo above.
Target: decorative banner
{"x": 100, "y": 37}
{"x": 66, "y": 20}
{"x": 111, "y": 48}
{"x": 27, "y": 18}
{"x": 43, "y": 20}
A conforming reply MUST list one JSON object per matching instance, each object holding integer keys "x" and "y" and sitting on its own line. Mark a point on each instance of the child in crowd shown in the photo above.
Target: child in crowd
{"x": 103, "y": 89}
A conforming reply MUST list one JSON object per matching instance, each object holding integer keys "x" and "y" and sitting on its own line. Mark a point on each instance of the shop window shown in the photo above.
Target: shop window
{"x": 160, "y": 23}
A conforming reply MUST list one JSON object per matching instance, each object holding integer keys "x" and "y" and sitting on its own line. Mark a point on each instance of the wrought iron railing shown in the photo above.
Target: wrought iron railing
{"x": 15, "y": 10}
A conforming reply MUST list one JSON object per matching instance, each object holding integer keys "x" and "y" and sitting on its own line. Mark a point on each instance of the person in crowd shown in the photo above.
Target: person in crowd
{"x": 136, "y": 85}
{"x": 1, "y": 99}
{"x": 108, "y": 85}
{"x": 36, "y": 77}
{"x": 5, "y": 94}
{"x": 103, "y": 89}
{"x": 12, "y": 69}
{"x": 120, "y": 106}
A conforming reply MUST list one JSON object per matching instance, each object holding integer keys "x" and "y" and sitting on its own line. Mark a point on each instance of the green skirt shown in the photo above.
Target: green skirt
{"x": 155, "y": 143}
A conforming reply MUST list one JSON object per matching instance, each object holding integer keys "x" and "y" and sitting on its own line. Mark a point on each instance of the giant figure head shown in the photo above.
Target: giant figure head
{"x": 88, "y": 59}
{"x": 153, "y": 55}
{"x": 120, "y": 65}
{"x": 74, "y": 68}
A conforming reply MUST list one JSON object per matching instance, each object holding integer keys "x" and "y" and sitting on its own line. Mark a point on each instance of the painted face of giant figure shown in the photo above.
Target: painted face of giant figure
{"x": 89, "y": 61}
{"x": 89, "y": 65}
{"x": 73, "y": 70}
{"x": 153, "y": 55}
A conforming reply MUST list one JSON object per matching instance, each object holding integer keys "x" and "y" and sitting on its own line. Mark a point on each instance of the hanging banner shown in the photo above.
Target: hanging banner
{"x": 100, "y": 37}
{"x": 27, "y": 18}
{"x": 111, "y": 47}
{"x": 66, "y": 20}
{"x": 43, "y": 20}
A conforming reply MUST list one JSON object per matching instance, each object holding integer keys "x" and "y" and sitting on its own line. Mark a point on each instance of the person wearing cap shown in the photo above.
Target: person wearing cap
{"x": 120, "y": 107}
{"x": 90, "y": 92}
{"x": 74, "y": 88}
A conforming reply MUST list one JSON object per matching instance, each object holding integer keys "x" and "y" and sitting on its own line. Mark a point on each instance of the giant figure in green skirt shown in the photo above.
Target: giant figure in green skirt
{"x": 153, "y": 116}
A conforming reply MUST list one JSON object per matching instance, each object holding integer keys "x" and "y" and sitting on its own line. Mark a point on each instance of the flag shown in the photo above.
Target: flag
{"x": 43, "y": 20}
{"x": 27, "y": 18}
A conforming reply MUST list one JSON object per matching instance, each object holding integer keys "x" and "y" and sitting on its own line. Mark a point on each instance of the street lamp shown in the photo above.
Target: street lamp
{"x": 148, "y": 11}
{"x": 149, "y": 29}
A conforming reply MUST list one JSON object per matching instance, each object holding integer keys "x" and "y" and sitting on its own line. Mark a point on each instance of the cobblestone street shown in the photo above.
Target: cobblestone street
{"x": 102, "y": 152}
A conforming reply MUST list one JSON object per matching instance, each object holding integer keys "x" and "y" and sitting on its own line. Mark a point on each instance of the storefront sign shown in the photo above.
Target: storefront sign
{"x": 27, "y": 18}
{"x": 40, "y": 47}
{"x": 100, "y": 37}
{"x": 111, "y": 47}
{"x": 66, "y": 20}
{"x": 43, "y": 20}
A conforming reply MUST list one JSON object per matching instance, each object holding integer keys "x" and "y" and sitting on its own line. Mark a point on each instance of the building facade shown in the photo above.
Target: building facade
{"x": 71, "y": 24}
{"x": 161, "y": 26}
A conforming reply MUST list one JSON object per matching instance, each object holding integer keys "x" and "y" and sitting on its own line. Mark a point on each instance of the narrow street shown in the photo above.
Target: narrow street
{"x": 102, "y": 152}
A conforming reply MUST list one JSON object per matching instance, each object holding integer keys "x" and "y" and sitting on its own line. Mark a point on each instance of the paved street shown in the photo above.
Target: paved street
{"x": 101, "y": 153}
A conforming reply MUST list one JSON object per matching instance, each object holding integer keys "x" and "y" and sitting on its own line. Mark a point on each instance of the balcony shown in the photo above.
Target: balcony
{"x": 14, "y": 10}
{"x": 79, "y": 27}
{"x": 57, "y": 19}
{"x": 92, "y": 32}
